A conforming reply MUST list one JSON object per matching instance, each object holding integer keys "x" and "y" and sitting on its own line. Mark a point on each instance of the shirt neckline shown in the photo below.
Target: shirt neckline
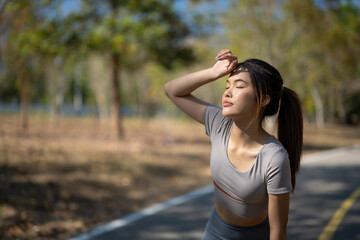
{"x": 257, "y": 156}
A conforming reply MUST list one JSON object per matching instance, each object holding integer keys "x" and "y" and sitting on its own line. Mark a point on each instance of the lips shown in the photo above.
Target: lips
{"x": 227, "y": 103}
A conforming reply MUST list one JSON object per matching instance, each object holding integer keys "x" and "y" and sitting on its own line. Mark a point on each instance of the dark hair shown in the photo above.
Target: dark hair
{"x": 268, "y": 81}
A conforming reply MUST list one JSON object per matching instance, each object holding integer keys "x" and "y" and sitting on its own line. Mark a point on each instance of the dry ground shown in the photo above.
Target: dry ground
{"x": 61, "y": 179}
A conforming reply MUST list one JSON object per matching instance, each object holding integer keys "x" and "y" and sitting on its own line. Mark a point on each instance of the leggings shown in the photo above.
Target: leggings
{"x": 217, "y": 229}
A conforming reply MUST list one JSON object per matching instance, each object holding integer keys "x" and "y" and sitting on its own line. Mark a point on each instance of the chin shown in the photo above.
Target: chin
{"x": 229, "y": 114}
{"x": 237, "y": 115}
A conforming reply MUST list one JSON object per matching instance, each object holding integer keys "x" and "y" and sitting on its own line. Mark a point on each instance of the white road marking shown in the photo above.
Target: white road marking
{"x": 117, "y": 223}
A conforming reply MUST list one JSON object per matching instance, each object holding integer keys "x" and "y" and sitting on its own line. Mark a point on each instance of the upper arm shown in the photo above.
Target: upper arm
{"x": 192, "y": 106}
{"x": 278, "y": 211}
{"x": 278, "y": 172}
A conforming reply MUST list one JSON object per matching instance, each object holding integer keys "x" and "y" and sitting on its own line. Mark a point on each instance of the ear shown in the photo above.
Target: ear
{"x": 265, "y": 100}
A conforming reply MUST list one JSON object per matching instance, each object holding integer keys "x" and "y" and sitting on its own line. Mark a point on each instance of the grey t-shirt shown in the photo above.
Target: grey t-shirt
{"x": 245, "y": 192}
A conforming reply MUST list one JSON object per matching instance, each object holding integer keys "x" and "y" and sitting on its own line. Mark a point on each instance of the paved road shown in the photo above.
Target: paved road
{"x": 329, "y": 183}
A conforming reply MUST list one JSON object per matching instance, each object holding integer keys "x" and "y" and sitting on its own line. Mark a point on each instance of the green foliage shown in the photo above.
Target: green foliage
{"x": 314, "y": 47}
{"x": 136, "y": 30}
{"x": 19, "y": 52}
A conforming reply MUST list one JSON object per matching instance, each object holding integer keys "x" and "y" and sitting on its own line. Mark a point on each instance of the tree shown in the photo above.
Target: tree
{"x": 21, "y": 18}
{"x": 313, "y": 46}
{"x": 31, "y": 39}
{"x": 328, "y": 43}
{"x": 131, "y": 33}
{"x": 98, "y": 74}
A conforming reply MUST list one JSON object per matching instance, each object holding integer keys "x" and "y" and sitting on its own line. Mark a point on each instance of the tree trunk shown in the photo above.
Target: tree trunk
{"x": 319, "y": 107}
{"x": 116, "y": 107}
{"x": 24, "y": 93}
{"x": 24, "y": 107}
{"x": 100, "y": 77}
{"x": 341, "y": 108}
{"x": 78, "y": 100}
{"x": 331, "y": 104}
{"x": 58, "y": 83}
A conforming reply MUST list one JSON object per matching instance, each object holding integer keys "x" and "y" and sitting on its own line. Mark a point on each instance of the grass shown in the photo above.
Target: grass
{"x": 61, "y": 179}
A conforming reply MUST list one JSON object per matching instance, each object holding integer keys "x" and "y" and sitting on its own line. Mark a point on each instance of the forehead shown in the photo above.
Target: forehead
{"x": 240, "y": 73}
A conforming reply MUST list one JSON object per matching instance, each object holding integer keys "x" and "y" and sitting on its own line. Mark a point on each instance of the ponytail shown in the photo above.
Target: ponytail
{"x": 290, "y": 129}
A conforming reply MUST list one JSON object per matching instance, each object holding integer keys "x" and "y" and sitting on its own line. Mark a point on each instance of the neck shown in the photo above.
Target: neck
{"x": 248, "y": 136}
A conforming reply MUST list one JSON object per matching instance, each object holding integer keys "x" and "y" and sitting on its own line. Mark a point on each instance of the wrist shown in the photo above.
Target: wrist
{"x": 213, "y": 74}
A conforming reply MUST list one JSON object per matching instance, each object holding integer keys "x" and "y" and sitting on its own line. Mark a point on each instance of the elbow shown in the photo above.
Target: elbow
{"x": 167, "y": 89}
{"x": 172, "y": 91}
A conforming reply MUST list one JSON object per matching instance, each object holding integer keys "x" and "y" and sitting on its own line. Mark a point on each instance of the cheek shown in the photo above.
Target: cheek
{"x": 247, "y": 96}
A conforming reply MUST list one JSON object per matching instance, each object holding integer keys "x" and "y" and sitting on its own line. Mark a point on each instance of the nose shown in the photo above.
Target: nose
{"x": 228, "y": 93}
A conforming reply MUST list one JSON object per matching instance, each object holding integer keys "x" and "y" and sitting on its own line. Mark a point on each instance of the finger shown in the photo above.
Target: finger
{"x": 232, "y": 64}
{"x": 228, "y": 56}
{"x": 223, "y": 52}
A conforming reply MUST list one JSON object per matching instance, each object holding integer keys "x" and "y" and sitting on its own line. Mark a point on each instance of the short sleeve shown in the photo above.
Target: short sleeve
{"x": 212, "y": 119}
{"x": 278, "y": 172}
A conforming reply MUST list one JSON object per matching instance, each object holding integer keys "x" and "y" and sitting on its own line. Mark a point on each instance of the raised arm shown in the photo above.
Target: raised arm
{"x": 179, "y": 90}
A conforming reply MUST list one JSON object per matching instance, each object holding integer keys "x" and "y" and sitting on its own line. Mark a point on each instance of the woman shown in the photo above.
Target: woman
{"x": 253, "y": 172}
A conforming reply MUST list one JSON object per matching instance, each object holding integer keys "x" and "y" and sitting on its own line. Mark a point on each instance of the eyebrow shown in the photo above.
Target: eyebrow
{"x": 238, "y": 80}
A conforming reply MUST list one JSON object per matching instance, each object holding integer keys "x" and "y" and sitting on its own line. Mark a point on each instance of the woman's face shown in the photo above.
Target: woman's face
{"x": 239, "y": 98}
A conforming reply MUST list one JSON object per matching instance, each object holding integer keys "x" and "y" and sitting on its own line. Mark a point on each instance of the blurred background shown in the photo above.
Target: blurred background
{"x": 87, "y": 134}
